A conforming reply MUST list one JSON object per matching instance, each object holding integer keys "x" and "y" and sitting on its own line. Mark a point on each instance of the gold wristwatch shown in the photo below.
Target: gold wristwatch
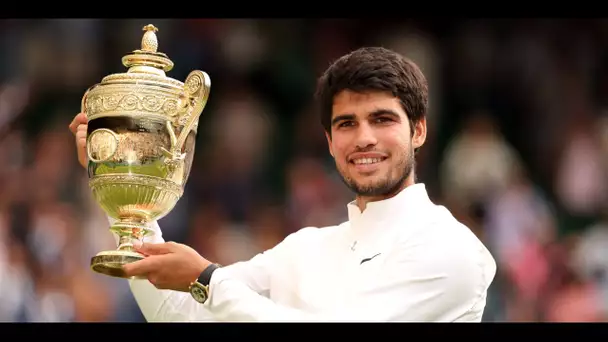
{"x": 199, "y": 289}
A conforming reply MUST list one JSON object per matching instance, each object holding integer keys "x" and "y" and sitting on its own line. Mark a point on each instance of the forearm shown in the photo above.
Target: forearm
{"x": 232, "y": 301}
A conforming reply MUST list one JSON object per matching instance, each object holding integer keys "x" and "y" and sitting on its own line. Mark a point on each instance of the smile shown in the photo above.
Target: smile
{"x": 367, "y": 161}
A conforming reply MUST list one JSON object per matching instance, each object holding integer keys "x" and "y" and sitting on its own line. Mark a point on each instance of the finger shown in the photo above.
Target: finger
{"x": 82, "y": 128}
{"x": 81, "y": 136}
{"x": 155, "y": 248}
{"x": 78, "y": 120}
{"x": 140, "y": 268}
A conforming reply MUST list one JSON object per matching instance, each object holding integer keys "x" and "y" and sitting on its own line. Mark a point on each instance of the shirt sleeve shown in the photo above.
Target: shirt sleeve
{"x": 176, "y": 306}
{"x": 442, "y": 284}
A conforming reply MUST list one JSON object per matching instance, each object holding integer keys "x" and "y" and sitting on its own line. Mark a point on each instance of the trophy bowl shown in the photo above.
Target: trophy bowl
{"x": 140, "y": 143}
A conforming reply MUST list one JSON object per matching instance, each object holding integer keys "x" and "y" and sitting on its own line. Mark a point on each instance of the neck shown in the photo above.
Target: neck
{"x": 362, "y": 201}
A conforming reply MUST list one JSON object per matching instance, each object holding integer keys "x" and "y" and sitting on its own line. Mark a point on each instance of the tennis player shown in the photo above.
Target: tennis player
{"x": 399, "y": 257}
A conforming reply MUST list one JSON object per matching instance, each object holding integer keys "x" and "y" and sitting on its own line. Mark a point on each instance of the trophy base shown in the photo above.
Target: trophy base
{"x": 111, "y": 262}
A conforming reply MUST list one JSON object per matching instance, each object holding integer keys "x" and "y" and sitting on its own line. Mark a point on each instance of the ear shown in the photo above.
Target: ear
{"x": 419, "y": 133}
{"x": 329, "y": 143}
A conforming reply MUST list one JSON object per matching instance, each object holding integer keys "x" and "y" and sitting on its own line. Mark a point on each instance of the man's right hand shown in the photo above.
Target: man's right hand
{"x": 78, "y": 126}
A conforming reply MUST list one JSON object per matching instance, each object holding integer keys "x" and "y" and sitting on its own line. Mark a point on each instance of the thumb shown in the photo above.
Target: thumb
{"x": 154, "y": 248}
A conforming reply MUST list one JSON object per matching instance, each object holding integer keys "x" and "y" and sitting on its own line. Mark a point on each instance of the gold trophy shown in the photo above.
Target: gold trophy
{"x": 140, "y": 143}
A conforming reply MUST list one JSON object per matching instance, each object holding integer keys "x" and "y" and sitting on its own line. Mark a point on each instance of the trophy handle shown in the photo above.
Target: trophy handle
{"x": 196, "y": 87}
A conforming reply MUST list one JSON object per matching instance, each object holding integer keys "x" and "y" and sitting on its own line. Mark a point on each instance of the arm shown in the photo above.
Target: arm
{"x": 443, "y": 283}
{"x": 171, "y": 306}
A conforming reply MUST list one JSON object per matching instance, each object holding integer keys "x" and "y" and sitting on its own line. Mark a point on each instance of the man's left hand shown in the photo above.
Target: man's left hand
{"x": 169, "y": 265}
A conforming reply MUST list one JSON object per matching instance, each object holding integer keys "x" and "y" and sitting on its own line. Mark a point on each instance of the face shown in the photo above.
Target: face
{"x": 372, "y": 142}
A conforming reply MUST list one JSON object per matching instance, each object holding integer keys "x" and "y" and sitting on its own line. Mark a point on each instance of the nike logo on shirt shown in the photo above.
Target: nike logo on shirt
{"x": 368, "y": 259}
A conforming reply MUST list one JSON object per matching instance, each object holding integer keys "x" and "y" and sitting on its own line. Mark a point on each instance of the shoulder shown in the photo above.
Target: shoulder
{"x": 457, "y": 242}
{"x": 448, "y": 249}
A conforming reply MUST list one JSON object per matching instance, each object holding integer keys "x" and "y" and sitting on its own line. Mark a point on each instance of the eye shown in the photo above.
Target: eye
{"x": 346, "y": 124}
{"x": 382, "y": 120}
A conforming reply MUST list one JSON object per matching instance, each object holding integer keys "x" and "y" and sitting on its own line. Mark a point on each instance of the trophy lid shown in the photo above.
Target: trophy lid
{"x": 148, "y": 59}
{"x": 143, "y": 90}
{"x": 146, "y": 63}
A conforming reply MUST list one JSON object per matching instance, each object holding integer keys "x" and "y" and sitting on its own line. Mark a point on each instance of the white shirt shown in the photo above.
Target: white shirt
{"x": 423, "y": 265}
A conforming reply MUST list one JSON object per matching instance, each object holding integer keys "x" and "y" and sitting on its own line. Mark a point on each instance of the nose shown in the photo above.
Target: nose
{"x": 365, "y": 136}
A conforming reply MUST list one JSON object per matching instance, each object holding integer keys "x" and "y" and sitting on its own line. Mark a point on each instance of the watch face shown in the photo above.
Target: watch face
{"x": 199, "y": 292}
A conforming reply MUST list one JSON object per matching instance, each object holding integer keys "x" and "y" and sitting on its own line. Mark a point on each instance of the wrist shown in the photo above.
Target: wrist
{"x": 205, "y": 276}
{"x": 202, "y": 265}
{"x": 199, "y": 289}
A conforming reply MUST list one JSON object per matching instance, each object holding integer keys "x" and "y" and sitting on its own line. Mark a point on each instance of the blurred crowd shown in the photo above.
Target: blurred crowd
{"x": 517, "y": 148}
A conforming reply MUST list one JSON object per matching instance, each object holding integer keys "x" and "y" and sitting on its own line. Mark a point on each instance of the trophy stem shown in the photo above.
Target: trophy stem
{"x": 111, "y": 262}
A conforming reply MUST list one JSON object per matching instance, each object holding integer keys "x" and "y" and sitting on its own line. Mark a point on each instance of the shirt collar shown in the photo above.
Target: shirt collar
{"x": 410, "y": 201}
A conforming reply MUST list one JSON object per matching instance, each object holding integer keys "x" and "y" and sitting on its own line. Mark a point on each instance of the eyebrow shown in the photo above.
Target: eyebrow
{"x": 376, "y": 113}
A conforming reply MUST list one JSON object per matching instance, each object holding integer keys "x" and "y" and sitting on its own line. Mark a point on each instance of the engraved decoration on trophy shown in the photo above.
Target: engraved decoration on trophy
{"x": 140, "y": 143}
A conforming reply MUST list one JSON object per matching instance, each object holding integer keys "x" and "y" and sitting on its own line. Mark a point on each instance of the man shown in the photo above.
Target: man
{"x": 399, "y": 257}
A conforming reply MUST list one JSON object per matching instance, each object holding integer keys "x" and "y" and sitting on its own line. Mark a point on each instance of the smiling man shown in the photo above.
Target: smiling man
{"x": 399, "y": 257}
{"x": 372, "y": 140}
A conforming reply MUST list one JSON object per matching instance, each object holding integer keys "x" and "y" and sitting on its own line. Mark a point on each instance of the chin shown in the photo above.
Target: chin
{"x": 375, "y": 186}
{"x": 369, "y": 181}
{"x": 368, "y": 184}
{"x": 370, "y": 188}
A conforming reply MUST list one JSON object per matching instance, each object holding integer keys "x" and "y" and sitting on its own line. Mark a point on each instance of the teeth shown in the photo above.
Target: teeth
{"x": 367, "y": 160}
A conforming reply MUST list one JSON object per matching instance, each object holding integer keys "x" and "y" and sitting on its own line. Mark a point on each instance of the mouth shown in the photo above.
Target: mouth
{"x": 367, "y": 160}
{"x": 367, "y": 165}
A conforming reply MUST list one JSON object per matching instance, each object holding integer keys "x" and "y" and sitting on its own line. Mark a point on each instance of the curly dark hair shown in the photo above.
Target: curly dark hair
{"x": 374, "y": 69}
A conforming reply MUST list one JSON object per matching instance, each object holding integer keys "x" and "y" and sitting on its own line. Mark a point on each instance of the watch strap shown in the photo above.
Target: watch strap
{"x": 205, "y": 277}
